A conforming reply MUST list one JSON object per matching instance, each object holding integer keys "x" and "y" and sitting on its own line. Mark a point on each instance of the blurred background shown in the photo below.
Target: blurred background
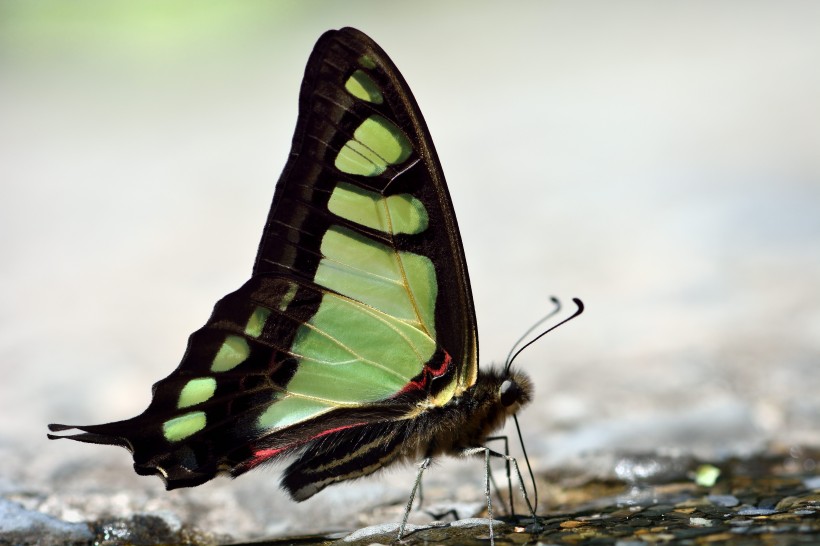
{"x": 659, "y": 160}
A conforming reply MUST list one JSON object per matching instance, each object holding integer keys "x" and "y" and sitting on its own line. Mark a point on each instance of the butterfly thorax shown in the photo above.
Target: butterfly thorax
{"x": 467, "y": 420}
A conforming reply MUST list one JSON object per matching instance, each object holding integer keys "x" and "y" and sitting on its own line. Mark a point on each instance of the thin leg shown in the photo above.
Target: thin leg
{"x": 487, "y": 451}
{"x": 489, "y": 497}
{"x": 474, "y": 450}
{"x": 416, "y": 487}
{"x": 507, "y": 465}
{"x": 520, "y": 479}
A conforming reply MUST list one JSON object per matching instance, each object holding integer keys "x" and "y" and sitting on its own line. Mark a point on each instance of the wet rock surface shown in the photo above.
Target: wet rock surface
{"x": 770, "y": 498}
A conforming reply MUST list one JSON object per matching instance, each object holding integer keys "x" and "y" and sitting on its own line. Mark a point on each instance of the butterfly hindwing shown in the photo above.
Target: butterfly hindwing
{"x": 357, "y": 315}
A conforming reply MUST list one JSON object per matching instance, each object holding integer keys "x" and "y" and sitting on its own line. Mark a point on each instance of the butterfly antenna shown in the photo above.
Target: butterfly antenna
{"x": 534, "y": 505}
{"x": 556, "y": 303}
{"x": 579, "y": 309}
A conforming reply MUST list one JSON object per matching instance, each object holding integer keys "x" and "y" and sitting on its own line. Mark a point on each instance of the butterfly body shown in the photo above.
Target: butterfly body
{"x": 463, "y": 423}
{"x": 353, "y": 345}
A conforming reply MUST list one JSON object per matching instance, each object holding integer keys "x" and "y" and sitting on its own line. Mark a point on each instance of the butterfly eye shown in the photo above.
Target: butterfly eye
{"x": 509, "y": 393}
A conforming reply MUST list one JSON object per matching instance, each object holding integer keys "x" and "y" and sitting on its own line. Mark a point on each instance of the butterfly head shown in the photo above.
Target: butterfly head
{"x": 514, "y": 391}
{"x": 502, "y": 392}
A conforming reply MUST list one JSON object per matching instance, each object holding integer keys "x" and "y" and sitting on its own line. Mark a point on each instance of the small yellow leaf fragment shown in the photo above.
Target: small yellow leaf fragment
{"x": 706, "y": 475}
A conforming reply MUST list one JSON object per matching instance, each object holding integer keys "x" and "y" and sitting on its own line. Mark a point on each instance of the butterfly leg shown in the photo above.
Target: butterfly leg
{"x": 420, "y": 495}
{"x": 514, "y": 463}
{"x": 509, "y": 479}
{"x": 490, "y": 453}
{"x": 423, "y": 465}
{"x": 487, "y": 451}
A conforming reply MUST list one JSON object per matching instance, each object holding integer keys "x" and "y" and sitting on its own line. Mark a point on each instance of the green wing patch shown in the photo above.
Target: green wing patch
{"x": 376, "y": 144}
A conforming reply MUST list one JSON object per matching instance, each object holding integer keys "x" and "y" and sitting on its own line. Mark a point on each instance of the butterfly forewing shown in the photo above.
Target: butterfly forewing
{"x": 358, "y": 312}
{"x": 363, "y": 161}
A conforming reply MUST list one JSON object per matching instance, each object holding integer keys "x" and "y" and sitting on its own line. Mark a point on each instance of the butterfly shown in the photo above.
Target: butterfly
{"x": 354, "y": 345}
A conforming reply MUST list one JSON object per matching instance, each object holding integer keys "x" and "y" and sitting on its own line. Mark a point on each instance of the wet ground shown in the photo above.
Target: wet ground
{"x": 767, "y": 499}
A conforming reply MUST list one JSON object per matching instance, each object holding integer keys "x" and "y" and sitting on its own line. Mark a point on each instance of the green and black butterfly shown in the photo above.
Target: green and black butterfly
{"x": 354, "y": 343}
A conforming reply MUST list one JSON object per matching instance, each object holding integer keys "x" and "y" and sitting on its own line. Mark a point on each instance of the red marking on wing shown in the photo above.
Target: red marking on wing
{"x": 427, "y": 374}
{"x": 262, "y": 455}
{"x": 445, "y": 365}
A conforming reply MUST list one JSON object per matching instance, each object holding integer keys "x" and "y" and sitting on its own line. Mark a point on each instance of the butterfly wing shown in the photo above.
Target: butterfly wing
{"x": 359, "y": 310}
